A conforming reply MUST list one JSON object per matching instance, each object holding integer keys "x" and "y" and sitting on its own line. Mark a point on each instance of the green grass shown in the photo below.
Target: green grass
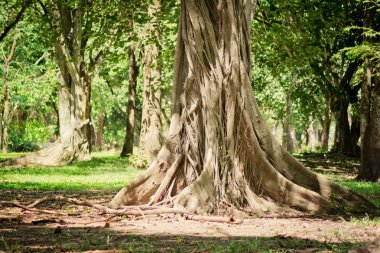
{"x": 368, "y": 189}
{"x": 103, "y": 172}
{"x": 107, "y": 171}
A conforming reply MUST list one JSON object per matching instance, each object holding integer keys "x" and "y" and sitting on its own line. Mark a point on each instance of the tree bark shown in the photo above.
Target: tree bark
{"x": 219, "y": 151}
{"x": 151, "y": 124}
{"x": 100, "y": 133}
{"x": 326, "y": 123}
{"x": 370, "y": 113}
{"x": 130, "y": 128}
{"x": 6, "y": 99}
{"x": 347, "y": 135}
{"x": 311, "y": 136}
{"x": 72, "y": 143}
{"x": 370, "y": 155}
{"x": 288, "y": 139}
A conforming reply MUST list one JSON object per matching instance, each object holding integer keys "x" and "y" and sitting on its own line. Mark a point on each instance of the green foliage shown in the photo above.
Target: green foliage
{"x": 138, "y": 161}
{"x": 28, "y": 138}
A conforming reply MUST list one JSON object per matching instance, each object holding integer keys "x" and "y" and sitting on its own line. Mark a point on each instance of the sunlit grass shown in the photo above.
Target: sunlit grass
{"x": 10, "y": 155}
{"x": 368, "y": 189}
{"x": 105, "y": 171}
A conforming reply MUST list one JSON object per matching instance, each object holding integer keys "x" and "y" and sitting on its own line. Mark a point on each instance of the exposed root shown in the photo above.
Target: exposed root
{"x": 198, "y": 197}
{"x": 167, "y": 180}
{"x": 134, "y": 211}
{"x": 70, "y": 146}
{"x": 31, "y": 209}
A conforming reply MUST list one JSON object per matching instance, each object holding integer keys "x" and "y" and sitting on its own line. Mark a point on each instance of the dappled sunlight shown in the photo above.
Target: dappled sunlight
{"x": 172, "y": 234}
{"x": 110, "y": 172}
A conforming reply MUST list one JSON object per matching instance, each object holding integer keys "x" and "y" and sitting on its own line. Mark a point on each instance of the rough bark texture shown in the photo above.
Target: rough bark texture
{"x": 325, "y": 122}
{"x": 151, "y": 125}
{"x": 370, "y": 155}
{"x": 310, "y": 136}
{"x": 289, "y": 137}
{"x": 130, "y": 128}
{"x": 370, "y": 113}
{"x": 100, "y": 133}
{"x": 6, "y": 100}
{"x": 347, "y": 135}
{"x": 219, "y": 152}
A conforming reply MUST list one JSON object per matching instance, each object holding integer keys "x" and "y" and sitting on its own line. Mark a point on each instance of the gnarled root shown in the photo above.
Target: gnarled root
{"x": 66, "y": 149}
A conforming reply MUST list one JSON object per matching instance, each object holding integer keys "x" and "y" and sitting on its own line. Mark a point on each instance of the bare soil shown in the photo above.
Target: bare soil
{"x": 81, "y": 229}
{"x": 85, "y": 229}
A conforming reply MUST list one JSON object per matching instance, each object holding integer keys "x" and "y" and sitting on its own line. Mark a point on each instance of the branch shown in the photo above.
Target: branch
{"x": 17, "y": 19}
{"x": 15, "y": 203}
{"x": 12, "y": 52}
{"x": 127, "y": 210}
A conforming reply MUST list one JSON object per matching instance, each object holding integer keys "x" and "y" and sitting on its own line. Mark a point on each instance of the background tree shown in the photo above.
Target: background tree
{"x": 78, "y": 55}
{"x": 370, "y": 93}
{"x": 151, "y": 125}
{"x": 6, "y": 98}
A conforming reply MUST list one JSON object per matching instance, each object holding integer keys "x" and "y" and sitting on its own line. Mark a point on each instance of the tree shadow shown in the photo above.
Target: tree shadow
{"x": 39, "y": 238}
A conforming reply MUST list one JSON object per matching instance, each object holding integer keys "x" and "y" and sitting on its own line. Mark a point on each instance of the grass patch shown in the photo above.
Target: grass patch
{"x": 366, "y": 220}
{"x": 103, "y": 172}
{"x": 107, "y": 171}
{"x": 368, "y": 189}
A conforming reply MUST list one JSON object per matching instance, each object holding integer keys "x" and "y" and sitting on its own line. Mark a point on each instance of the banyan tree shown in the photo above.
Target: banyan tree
{"x": 219, "y": 152}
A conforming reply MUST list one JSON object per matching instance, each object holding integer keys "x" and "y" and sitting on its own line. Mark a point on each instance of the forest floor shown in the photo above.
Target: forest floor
{"x": 78, "y": 228}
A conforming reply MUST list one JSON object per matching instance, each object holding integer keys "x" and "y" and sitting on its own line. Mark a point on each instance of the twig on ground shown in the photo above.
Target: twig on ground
{"x": 136, "y": 211}
{"x": 31, "y": 209}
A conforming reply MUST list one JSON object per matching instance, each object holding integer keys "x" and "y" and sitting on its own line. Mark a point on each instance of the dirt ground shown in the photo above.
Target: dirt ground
{"x": 85, "y": 229}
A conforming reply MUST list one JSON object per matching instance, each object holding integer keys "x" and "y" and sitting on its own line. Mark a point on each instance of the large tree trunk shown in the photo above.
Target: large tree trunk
{"x": 370, "y": 113}
{"x": 151, "y": 125}
{"x": 347, "y": 135}
{"x": 130, "y": 128}
{"x": 370, "y": 155}
{"x": 219, "y": 152}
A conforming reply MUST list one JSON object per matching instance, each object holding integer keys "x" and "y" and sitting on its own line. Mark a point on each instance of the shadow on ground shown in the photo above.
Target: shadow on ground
{"x": 40, "y": 238}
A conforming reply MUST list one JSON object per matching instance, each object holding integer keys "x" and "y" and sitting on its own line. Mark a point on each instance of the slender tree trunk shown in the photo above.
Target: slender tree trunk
{"x": 5, "y": 118}
{"x": 288, "y": 138}
{"x": 100, "y": 133}
{"x": 311, "y": 135}
{"x": 151, "y": 124}
{"x": 6, "y": 99}
{"x": 344, "y": 128}
{"x": 326, "y": 123}
{"x": 219, "y": 152}
{"x": 130, "y": 128}
{"x": 325, "y": 134}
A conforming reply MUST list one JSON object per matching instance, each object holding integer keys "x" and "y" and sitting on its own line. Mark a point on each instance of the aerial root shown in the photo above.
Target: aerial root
{"x": 139, "y": 211}
{"x": 167, "y": 180}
